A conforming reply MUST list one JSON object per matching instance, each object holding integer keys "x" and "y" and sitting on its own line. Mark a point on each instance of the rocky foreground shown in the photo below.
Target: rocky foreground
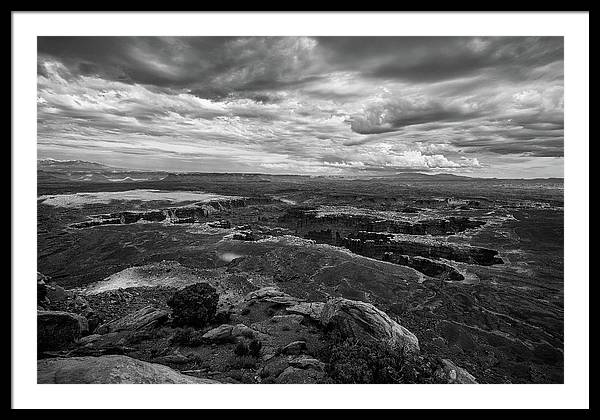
{"x": 192, "y": 332}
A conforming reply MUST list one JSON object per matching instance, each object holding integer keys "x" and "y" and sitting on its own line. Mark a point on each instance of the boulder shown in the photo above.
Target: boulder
{"x": 265, "y": 292}
{"x": 454, "y": 374}
{"x": 56, "y": 293}
{"x": 220, "y": 333}
{"x": 241, "y": 330}
{"x": 293, "y": 375}
{"x": 272, "y": 295}
{"x": 283, "y": 300}
{"x": 307, "y": 362}
{"x": 144, "y": 318}
{"x": 57, "y": 329}
{"x": 364, "y": 322}
{"x": 228, "y": 332}
{"x": 295, "y": 347}
{"x": 102, "y": 344}
{"x": 311, "y": 310}
{"x": 110, "y": 369}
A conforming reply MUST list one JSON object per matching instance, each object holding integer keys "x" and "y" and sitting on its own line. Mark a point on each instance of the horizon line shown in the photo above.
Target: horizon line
{"x": 298, "y": 174}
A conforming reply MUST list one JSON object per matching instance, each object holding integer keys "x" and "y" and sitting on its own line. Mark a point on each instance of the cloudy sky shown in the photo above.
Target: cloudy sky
{"x": 486, "y": 107}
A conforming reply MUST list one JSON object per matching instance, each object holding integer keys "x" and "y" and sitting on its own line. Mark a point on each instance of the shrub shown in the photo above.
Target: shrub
{"x": 187, "y": 336}
{"x": 355, "y": 362}
{"x": 243, "y": 362}
{"x": 254, "y": 348}
{"x": 251, "y": 349}
{"x": 222, "y": 318}
{"x": 194, "y": 305}
{"x": 241, "y": 349}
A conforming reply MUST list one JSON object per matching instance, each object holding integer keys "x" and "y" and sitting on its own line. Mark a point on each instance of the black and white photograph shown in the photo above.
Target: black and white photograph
{"x": 300, "y": 209}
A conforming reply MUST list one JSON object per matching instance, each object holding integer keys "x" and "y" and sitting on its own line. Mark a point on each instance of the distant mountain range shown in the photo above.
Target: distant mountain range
{"x": 89, "y": 171}
{"x": 452, "y": 177}
{"x": 54, "y": 170}
{"x": 52, "y": 165}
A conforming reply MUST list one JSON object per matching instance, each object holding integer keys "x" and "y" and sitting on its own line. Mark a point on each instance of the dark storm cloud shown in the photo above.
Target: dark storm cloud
{"x": 420, "y": 59}
{"x": 181, "y": 61}
{"x": 399, "y": 113}
{"x": 211, "y": 66}
{"x": 143, "y": 60}
{"x": 306, "y": 104}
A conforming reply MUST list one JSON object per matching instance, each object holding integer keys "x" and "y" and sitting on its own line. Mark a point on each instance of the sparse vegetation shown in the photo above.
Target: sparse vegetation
{"x": 241, "y": 349}
{"x": 355, "y": 362}
{"x": 187, "y": 336}
{"x": 254, "y": 347}
{"x": 244, "y": 362}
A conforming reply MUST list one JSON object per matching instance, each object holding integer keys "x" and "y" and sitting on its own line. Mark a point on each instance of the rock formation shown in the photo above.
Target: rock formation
{"x": 110, "y": 369}
{"x": 454, "y": 374}
{"x": 196, "y": 213}
{"x": 363, "y": 321}
{"x": 142, "y": 319}
{"x": 333, "y": 226}
{"x": 57, "y": 329}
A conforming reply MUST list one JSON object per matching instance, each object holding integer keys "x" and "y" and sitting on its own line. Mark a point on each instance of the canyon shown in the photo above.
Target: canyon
{"x": 467, "y": 267}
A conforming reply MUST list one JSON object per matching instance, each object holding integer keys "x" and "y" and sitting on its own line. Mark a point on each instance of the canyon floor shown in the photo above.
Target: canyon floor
{"x": 473, "y": 268}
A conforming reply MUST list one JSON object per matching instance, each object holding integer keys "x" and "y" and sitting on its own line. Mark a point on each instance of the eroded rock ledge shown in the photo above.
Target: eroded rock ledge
{"x": 376, "y": 245}
{"x": 391, "y": 237}
{"x": 334, "y": 227}
{"x": 195, "y": 213}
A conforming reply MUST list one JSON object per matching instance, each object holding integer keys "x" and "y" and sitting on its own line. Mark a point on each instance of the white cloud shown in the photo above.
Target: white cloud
{"x": 304, "y": 116}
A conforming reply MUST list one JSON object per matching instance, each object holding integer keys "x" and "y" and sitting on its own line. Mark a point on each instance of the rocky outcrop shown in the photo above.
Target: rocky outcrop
{"x": 196, "y": 213}
{"x": 426, "y": 266}
{"x": 110, "y": 369}
{"x": 376, "y": 246}
{"x": 364, "y": 322}
{"x": 228, "y": 332}
{"x": 144, "y": 318}
{"x": 402, "y": 242}
{"x": 334, "y": 226}
{"x": 58, "y": 330}
{"x": 295, "y": 347}
{"x": 307, "y": 362}
{"x": 311, "y": 310}
{"x": 57, "y": 293}
{"x": 264, "y": 293}
{"x": 272, "y": 295}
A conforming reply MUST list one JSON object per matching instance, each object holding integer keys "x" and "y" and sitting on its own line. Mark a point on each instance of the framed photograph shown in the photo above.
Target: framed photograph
{"x": 388, "y": 209}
